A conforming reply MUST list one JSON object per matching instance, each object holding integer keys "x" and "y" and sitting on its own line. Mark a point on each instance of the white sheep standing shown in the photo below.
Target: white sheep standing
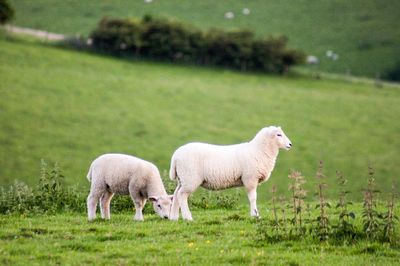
{"x": 218, "y": 167}
{"x": 126, "y": 175}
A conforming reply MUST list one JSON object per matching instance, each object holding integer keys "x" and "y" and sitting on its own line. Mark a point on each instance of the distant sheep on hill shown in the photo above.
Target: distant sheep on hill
{"x": 217, "y": 167}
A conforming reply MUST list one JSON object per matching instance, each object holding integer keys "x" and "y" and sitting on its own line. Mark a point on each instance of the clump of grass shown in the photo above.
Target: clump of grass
{"x": 344, "y": 229}
{"x": 322, "y": 229}
{"x": 215, "y": 200}
{"x": 370, "y": 213}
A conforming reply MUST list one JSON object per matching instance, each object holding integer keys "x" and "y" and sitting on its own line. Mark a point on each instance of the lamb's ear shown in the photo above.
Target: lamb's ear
{"x": 153, "y": 199}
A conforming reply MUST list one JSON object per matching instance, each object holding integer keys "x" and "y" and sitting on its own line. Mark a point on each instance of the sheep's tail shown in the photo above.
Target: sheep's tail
{"x": 89, "y": 175}
{"x": 172, "y": 170}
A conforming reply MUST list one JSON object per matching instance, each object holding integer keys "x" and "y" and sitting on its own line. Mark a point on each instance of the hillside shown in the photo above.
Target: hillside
{"x": 363, "y": 33}
{"x": 68, "y": 107}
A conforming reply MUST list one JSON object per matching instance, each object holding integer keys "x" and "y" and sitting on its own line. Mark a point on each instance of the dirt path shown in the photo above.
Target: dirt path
{"x": 36, "y": 33}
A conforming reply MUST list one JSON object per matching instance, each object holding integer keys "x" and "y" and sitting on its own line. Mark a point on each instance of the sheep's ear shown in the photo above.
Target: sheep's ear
{"x": 153, "y": 199}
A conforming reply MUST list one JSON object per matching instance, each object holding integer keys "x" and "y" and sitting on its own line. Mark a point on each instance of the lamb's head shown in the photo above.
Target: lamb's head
{"x": 275, "y": 136}
{"x": 162, "y": 205}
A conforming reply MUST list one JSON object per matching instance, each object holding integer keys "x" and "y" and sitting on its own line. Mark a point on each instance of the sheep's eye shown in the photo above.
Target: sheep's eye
{"x": 159, "y": 206}
{"x": 279, "y": 135}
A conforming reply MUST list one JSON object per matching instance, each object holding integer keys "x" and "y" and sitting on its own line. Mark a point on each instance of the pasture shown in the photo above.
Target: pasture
{"x": 215, "y": 237}
{"x": 68, "y": 107}
{"x": 362, "y": 32}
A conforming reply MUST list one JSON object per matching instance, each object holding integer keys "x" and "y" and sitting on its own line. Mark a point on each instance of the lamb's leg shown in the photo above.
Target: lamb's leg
{"x": 183, "y": 204}
{"x": 139, "y": 209}
{"x": 105, "y": 204}
{"x": 92, "y": 200}
{"x": 174, "y": 214}
{"x": 139, "y": 202}
{"x": 252, "y": 195}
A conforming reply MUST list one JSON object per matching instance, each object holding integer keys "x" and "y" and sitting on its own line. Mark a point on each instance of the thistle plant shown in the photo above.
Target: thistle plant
{"x": 345, "y": 227}
{"x": 389, "y": 218}
{"x": 298, "y": 196}
{"x": 322, "y": 229}
{"x": 370, "y": 214}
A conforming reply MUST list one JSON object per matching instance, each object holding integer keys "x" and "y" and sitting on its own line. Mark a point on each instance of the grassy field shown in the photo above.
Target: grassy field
{"x": 215, "y": 237}
{"x": 69, "y": 107}
{"x": 363, "y": 33}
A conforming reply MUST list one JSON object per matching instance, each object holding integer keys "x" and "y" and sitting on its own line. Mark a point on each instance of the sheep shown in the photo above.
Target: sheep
{"x": 216, "y": 167}
{"x": 125, "y": 174}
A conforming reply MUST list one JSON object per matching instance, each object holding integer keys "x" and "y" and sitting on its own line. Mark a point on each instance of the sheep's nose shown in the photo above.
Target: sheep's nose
{"x": 290, "y": 144}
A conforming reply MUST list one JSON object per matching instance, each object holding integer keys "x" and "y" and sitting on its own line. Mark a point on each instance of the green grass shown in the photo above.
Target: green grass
{"x": 215, "y": 237}
{"x": 69, "y": 107}
{"x": 363, "y": 32}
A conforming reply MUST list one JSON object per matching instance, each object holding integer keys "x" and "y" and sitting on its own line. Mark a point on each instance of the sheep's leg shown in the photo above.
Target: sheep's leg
{"x": 92, "y": 200}
{"x": 183, "y": 204}
{"x": 252, "y": 195}
{"x": 105, "y": 204}
{"x": 174, "y": 214}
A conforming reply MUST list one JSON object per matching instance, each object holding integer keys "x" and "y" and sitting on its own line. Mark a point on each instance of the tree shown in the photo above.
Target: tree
{"x": 6, "y": 11}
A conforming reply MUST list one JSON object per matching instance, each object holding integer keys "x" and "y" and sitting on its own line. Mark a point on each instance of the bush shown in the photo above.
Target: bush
{"x": 393, "y": 74}
{"x": 6, "y": 11}
{"x": 19, "y": 198}
{"x": 118, "y": 36}
{"x": 163, "y": 39}
{"x": 169, "y": 40}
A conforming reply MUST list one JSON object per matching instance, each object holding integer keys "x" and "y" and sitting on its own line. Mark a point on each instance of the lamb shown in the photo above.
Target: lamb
{"x": 125, "y": 174}
{"x": 216, "y": 167}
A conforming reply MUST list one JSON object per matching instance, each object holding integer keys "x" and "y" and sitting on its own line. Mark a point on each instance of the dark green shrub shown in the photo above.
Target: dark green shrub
{"x": 267, "y": 54}
{"x": 6, "y": 11}
{"x": 168, "y": 40}
{"x": 164, "y": 39}
{"x": 393, "y": 74}
{"x": 118, "y": 36}
{"x": 229, "y": 49}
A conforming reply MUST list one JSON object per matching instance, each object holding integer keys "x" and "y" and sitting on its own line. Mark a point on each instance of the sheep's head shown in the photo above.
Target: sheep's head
{"x": 281, "y": 139}
{"x": 273, "y": 136}
{"x": 162, "y": 205}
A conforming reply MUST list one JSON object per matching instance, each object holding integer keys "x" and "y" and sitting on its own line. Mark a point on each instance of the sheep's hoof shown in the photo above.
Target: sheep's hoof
{"x": 138, "y": 219}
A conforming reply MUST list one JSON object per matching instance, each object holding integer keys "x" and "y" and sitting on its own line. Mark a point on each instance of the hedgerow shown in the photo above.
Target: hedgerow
{"x": 173, "y": 41}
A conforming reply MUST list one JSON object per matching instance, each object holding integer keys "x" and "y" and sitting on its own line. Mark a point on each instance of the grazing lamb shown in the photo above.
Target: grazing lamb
{"x": 217, "y": 167}
{"x": 126, "y": 175}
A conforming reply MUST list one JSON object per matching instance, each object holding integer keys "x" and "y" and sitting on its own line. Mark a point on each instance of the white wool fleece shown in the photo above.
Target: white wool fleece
{"x": 218, "y": 167}
{"x": 126, "y": 175}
